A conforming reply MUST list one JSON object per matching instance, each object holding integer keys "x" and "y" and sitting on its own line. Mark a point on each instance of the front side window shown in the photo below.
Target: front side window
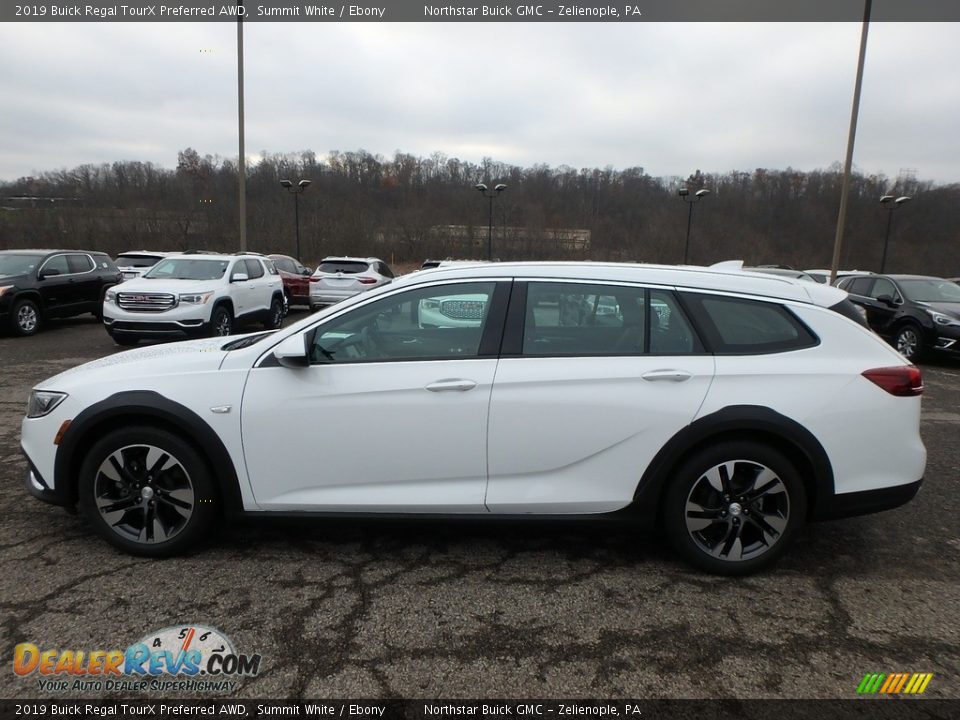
{"x": 883, "y": 287}
{"x": 737, "y": 326}
{"x": 433, "y": 323}
{"x": 57, "y": 265}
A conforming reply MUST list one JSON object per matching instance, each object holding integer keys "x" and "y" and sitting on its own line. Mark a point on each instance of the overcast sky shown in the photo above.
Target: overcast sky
{"x": 670, "y": 98}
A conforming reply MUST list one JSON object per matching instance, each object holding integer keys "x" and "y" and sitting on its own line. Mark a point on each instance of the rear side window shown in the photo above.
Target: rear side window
{"x": 739, "y": 326}
{"x": 343, "y": 266}
{"x": 859, "y": 286}
{"x": 254, "y": 269}
{"x": 79, "y": 263}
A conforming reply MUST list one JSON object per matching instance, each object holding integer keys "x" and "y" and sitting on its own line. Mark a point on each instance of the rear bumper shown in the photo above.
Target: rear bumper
{"x": 866, "y": 502}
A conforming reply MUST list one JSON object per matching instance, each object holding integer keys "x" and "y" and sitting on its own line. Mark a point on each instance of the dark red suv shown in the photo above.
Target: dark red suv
{"x": 296, "y": 279}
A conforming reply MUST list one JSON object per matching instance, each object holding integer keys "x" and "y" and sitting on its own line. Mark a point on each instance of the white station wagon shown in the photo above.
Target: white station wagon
{"x": 728, "y": 406}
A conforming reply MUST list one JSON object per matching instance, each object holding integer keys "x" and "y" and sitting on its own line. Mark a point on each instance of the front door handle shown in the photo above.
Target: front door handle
{"x": 456, "y": 385}
{"x": 667, "y": 375}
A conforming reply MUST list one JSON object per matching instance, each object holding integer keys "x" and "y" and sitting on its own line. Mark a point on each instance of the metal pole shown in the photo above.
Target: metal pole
{"x": 851, "y": 138}
{"x": 242, "y": 165}
{"x": 686, "y": 247}
{"x": 490, "y": 233}
{"x": 886, "y": 239}
{"x": 296, "y": 215}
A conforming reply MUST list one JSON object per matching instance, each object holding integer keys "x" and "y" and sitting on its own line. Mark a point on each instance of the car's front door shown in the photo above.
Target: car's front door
{"x": 58, "y": 293}
{"x": 587, "y": 393}
{"x": 390, "y": 414}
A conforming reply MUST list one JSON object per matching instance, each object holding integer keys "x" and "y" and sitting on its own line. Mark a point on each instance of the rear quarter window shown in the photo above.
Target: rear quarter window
{"x": 740, "y": 326}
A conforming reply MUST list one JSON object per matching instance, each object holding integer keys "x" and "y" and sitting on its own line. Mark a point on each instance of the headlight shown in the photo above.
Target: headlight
{"x": 4, "y": 288}
{"x": 430, "y": 304}
{"x": 196, "y": 298}
{"x": 110, "y": 296}
{"x": 941, "y": 319}
{"x": 42, "y": 402}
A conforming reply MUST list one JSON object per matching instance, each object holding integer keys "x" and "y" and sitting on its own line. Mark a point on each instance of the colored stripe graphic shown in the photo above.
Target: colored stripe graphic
{"x": 894, "y": 683}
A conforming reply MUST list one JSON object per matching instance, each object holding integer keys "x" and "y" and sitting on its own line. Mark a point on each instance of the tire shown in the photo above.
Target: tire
{"x": 221, "y": 323}
{"x": 275, "y": 318}
{"x": 286, "y": 304}
{"x": 25, "y": 317}
{"x": 154, "y": 511}
{"x": 908, "y": 341}
{"x": 734, "y": 507}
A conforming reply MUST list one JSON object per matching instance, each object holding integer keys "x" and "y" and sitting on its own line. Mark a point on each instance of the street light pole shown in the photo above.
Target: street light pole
{"x": 891, "y": 204}
{"x": 296, "y": 190}
{"x": 490, "y": 194}
{"x": 689, "y": 199}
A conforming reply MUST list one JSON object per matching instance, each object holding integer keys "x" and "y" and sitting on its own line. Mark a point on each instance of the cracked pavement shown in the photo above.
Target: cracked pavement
{"x": 434, "y": 610}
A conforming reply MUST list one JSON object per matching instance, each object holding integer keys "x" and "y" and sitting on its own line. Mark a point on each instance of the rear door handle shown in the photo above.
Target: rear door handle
{"x": 457, "y": 385}
{"x": 667, "y": 375}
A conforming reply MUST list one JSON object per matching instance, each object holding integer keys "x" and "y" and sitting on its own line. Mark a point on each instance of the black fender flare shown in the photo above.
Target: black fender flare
{"x": 128, "y": 407}
{"x": 752, "y": 422}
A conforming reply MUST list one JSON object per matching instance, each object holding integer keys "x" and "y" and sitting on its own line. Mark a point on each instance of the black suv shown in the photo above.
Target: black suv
{"x": 916, "y": 313}
{"x": 36, "y": 285}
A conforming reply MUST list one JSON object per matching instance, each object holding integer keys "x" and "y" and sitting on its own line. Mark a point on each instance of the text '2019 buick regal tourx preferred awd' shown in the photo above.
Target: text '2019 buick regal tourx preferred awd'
{"x": 728, "y": 407}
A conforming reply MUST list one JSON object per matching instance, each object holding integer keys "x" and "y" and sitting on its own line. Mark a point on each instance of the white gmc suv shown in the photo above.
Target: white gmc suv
{"x": 194, "y": 295}
{"x": 728, "y": 408}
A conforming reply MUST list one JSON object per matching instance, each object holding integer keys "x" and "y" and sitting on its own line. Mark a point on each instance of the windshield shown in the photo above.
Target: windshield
{"x": 18, "y": 264}
{"x": 188, "y": 269}
{"x": 343, "y": 266}
{"x": 931, "y": 290}
{"x": 137, "y": 261}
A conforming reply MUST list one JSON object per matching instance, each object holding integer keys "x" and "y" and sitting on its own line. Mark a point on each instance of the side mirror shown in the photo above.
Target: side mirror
{"x": 306, "y": 272}
{"x": 292, "y": 352}
{"x": 239, "y": 277}
{"x": 887, "y": 300}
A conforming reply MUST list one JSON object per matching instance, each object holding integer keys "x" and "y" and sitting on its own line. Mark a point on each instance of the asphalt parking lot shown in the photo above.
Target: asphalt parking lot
{"x": 425, "y": 610}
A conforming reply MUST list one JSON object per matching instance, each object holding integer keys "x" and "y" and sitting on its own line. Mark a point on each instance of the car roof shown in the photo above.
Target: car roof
{"x": 208, "y": 256}
{"x": 47, "y": 251}
{"x": 726, "y": 279}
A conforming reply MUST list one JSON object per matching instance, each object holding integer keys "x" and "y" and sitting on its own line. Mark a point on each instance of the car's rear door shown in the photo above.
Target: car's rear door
{"x": 594, "y": 378}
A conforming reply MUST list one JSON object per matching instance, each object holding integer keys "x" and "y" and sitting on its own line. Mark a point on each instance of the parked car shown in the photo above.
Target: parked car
{"x": 194, "y": 295}
{"x": 753, "y": 410}
{"x": 918, "y": 314}
{"x": 338, "y": 278}
{"x": 135, "y": 263}
{"x": 296, "y": 279}
{"x": 37, "y": 285}
{"x": 823, "y": 276}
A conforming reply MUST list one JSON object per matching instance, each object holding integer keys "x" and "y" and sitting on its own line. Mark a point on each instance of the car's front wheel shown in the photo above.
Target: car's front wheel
{"x": 26, "y": 317}
{"x": 909, "y": 341}
{"x": 733, "y": 507}
{"x": 221, "y": 324}
{"x": 146, "y": 491}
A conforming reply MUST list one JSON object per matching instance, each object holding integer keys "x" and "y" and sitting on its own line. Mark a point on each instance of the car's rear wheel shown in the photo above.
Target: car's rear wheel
{"x": 146, "y": 491}
{"x": 275, "y": 318}
{"x": 25, "y": 317}
{"x": 733, "y": 507}
{"x": 909, "y": 341}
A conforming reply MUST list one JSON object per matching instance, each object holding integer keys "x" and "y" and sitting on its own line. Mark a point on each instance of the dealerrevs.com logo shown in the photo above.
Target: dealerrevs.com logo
{"x": 188, "y": 658}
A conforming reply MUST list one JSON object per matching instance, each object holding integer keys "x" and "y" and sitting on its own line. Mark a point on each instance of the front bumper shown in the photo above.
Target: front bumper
{"x": 39, "y": 488}
{"x": 180, "y": 321}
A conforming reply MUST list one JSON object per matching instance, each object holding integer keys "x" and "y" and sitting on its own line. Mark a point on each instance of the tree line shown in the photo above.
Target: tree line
{"x": 407, "y": 208}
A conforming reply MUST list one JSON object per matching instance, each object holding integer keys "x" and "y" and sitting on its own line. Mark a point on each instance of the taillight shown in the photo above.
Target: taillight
{"x": 902, "y": 381}
{"x": 366, "y": 280}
